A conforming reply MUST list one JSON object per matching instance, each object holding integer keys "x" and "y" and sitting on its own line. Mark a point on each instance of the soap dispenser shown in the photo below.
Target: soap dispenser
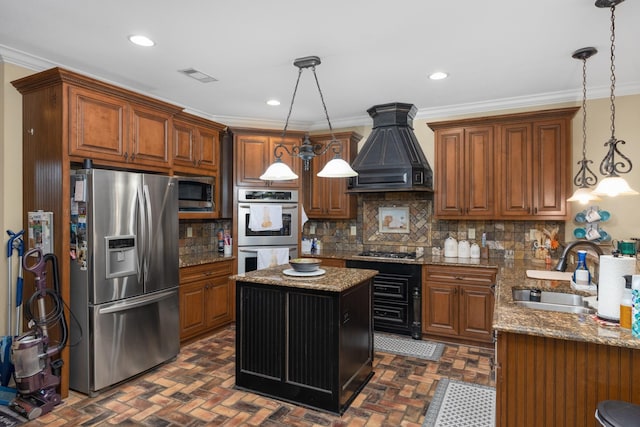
{"x": 582, "y": 275}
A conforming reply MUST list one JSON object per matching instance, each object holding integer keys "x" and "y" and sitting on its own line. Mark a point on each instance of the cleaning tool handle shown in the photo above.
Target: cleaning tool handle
{"x": 12, "y": 237}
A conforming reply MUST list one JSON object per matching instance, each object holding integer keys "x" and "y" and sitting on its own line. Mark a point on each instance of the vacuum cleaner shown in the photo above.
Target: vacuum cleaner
{"x": 36, "y": 374}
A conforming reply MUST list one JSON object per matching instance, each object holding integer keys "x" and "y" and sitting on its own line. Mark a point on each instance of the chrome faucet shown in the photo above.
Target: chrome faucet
{"x": 562, "y": 262}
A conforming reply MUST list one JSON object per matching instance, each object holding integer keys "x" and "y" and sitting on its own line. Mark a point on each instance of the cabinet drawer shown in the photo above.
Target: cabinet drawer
{"x": 391, "y": 288}
{"x": 461, "y": 275}
{"x": 204, "y": 271}
{"x": 388, "y": 314}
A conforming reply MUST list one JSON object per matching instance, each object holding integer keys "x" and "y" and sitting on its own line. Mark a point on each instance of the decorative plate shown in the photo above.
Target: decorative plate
{"x": 292, "y": 272}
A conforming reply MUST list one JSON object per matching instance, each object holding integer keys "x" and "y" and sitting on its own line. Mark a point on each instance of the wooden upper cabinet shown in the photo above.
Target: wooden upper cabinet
{"x": 113, "y": 129}
{"x": 99, "y": 124}
{"x": 464, "y": 172}
{"x": 196, "y": 145}
{"x": 255, "y": 153}
{"x": 514, "y": 166}
{"x": 535, "y": 171}
{"x": 150, "y": 140}
{"x": 327, "y": 198}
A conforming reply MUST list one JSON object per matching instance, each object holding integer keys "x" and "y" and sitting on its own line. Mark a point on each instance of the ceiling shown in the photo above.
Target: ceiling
{"x": 500, "y": 54}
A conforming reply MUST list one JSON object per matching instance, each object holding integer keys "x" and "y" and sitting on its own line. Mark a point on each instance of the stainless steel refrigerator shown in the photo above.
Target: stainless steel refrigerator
{"x": 124, "y": 276}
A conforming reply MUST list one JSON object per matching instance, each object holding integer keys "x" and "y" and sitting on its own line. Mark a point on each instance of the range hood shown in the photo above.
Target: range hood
{"x": 391, "y": 158}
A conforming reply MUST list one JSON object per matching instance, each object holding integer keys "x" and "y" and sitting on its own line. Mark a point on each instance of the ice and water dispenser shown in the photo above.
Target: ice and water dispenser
{"x": 122, "y": 256}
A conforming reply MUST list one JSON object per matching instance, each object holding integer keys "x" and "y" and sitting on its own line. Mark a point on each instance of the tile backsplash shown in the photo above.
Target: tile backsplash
{"x": 204, "y": 236}
{"x": 504, "y": 238}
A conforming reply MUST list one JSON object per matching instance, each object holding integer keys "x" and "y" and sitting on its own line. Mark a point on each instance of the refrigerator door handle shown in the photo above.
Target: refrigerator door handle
{"x": 136, "y": 302}
{"x": 148, "y": 230}
{"x": 142, "y": 253}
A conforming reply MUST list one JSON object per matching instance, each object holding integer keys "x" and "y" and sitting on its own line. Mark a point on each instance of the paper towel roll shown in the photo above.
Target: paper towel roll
{"x": 611, "y": 284}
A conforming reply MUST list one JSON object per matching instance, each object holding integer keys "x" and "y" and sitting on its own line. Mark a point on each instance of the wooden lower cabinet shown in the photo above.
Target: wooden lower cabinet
{"x": 544, "y": 381}
{"x": 457, "y": 302}
{"x": 206, "y": 298}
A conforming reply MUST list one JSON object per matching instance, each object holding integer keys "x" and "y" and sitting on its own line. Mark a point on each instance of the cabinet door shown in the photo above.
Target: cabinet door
{"x": 516, "y": 180}
{"x": 449, "y": 172}
{"x": 208, "y": 144}
{"x": 476, "y": 312}
{"x": 193, "y": 301}
{"x": 550, "y": 168}
{"x": 479, "y": 172}
{"x": 150, "y": 140}
{"x": 99, "y": 125}
{"x": 440, "y": 312}
{"x": 184, "y": 144}
{"x": 219, "y": 305}
{"x": 252, "y": 160}
{"x": 327, "y": 198}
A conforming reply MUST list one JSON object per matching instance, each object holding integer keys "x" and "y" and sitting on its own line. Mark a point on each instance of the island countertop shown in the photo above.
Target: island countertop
{"x": 335, "y": 279}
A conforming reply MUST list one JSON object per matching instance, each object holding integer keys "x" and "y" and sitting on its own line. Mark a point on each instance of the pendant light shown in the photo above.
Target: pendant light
{"x": 585, "y": 177}
{"x": 335, "y": 168}
{"x": 613, "y": 184}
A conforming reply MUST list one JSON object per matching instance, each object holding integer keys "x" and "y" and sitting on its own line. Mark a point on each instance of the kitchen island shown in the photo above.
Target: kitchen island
{"x": 307, "y": 340}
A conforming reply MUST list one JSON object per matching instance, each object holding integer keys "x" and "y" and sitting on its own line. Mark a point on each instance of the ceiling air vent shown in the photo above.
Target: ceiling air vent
{"x": 198, "y": 75}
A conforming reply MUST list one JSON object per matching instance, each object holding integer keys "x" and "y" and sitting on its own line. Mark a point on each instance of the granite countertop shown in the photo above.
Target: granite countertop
{"x": 509, "y": 317}
{"x": 200, "y": 258}
{"x": 425, "y": 259}
{"x": 334, "y": 280}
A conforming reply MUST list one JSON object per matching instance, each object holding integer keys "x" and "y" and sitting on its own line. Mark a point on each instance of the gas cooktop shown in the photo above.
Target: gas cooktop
{"x": 393, "y": 255}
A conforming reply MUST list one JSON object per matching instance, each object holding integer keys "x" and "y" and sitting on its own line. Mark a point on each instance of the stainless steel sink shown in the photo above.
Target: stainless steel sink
{"x": 551, "y": 301}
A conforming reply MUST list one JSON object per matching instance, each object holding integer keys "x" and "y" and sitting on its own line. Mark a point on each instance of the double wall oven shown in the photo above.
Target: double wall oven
{"x": 250, "y": 241}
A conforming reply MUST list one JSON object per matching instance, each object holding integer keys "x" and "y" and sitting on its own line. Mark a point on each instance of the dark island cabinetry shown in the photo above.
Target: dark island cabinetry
{"x": 306, "y": 346}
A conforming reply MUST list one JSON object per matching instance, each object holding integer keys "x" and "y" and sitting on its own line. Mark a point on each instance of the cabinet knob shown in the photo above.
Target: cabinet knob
{"x": 126, "y": 156}
{"x": 133, "y": 157}
{"x": 30, "y": 131}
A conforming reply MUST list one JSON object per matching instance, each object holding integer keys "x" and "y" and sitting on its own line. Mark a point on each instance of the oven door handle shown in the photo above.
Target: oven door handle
{"x": 255, "y": 251}
{"x": 288, "y": 207}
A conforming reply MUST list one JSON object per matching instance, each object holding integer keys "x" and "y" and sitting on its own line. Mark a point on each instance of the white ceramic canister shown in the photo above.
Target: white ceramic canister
{"x": 463, "y": 249}
{"x": 451, "y": 247}
{"x": 475, "y": 251}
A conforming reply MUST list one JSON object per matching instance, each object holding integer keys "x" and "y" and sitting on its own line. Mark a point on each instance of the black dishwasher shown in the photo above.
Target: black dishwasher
{"x": 396, "y": 296}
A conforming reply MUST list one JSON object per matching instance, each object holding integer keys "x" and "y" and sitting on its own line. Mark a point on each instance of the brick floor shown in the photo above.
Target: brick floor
{"x": 197, "y": 390}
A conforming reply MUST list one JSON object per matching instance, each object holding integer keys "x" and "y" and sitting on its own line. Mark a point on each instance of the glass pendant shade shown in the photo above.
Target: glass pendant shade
{"x": 337, "y": 168}
{"x": 278, "y": 171}
{"x": 613, "y": 186}
{"x": 583, "y": 196}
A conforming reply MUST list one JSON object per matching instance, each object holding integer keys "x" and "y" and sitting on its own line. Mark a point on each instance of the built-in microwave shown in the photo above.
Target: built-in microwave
{"x": 196, "y": 194}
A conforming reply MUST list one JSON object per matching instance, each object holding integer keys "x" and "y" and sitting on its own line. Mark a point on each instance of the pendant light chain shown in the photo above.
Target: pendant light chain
{"x": 613, "y": 73}
{"x": 610, "y": 167}
{"x": 585, "y": 177}
{"x": 584, "y": 108}
{"x": 293, "y": 98}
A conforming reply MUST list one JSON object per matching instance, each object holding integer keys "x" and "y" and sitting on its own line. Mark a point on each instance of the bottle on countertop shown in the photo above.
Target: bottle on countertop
{"x": 635, "y": 305}
{"x": 582, "y": 275}
{"x": 625, "y": 303}
{"x": 221, "y": 240}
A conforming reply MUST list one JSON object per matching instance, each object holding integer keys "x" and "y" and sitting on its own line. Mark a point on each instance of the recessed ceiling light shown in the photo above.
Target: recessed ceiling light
{"x": 438, "y": 75}
{"x": 141, "y": 40}
{"x": 273, "y": 102}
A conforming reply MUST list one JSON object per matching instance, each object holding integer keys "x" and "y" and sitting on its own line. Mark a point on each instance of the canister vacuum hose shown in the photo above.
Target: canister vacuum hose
{"x": 54, "y": 316}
